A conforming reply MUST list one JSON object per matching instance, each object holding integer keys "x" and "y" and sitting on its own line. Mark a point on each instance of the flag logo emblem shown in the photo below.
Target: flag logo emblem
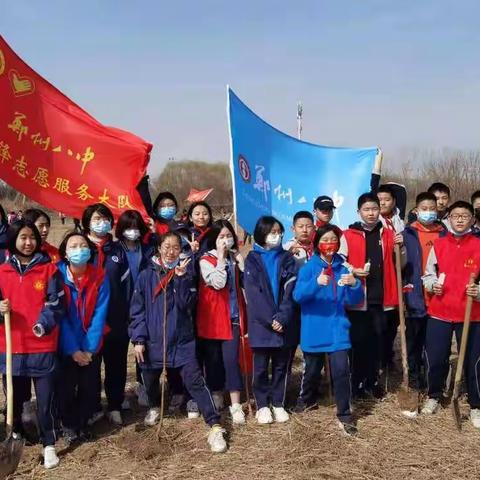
{"x": 244, "y": 168}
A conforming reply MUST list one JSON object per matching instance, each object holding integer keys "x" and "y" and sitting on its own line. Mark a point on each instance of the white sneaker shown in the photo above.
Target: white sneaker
{"x": 50, "y": 459}
{"x": 238, "y": 416}
{"x": 115, "y": 417}
{"x": 216, "y": 439}
{"x": 430, "y": 406}
{"x": 412, "y": 414}
{"x": 218, "y": 401}
{"x": 95, "y": 418}
{"x": 152, "y": 417}
{"x": 126, "y": 404}
{"x": 192, "y": 409}
{"x": 264, "y": 416}
{"x": 280, "y": 415}
{"x": 142, "y": 395}
{"x": 475, "y": 417}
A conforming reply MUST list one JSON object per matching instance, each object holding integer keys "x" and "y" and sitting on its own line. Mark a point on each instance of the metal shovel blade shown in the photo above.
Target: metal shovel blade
{"x": 10, "y": 454}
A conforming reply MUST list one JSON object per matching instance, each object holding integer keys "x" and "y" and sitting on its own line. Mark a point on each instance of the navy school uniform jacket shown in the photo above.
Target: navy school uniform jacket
{"x": 116, "y": 268}
{"x": 147, "y": 313}
{"x": 324, "y": 324}
{"x": 412, "y": 273}
{"x": 261, "y": 306}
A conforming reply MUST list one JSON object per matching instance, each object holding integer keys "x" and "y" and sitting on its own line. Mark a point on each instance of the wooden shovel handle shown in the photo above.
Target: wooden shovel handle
{"x": 401, "y": 314}
{"x": 464, "y": 340}
{"x": 8, "y": 357}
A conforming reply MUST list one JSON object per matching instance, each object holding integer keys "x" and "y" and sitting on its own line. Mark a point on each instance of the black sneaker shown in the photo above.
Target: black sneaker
{"x": 86, "y": 435}
{"x": 377, "y": 392}
{"x": 69, "y": 436}
{"x": 348, "y": 428}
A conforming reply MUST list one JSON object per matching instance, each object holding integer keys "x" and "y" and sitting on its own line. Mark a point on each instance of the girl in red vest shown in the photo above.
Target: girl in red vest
{"x": 221, "y": 315}
{"x": 42, "y": 222}
{"x": 30, "y": 289}
{"x": 87, "y": 294}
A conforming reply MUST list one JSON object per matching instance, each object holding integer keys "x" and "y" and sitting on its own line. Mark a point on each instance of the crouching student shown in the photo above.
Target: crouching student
{"x": 419, "y": 237}
{"x": 453, "y": 258}
{"x": 324, "y": 286}
{"x": 270, "y": 274}
{"x": 30, "y": 289}
{"x": 87, "y": 294}
{"x": 221, "y": 315}
{"x": 161, "y": 324}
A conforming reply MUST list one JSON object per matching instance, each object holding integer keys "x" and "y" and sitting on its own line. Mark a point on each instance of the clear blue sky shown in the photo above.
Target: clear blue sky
{"x": 398, "y": 73}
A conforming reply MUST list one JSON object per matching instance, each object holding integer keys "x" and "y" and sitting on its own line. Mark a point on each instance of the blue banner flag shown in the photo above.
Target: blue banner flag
{"x": 276, "y": 174}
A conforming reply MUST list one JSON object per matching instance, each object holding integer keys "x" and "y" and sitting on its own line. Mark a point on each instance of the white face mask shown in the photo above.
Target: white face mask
{"x": 229, "y": 242}
{"x": 273, "y": 240}
{"x": 132, "y": 234}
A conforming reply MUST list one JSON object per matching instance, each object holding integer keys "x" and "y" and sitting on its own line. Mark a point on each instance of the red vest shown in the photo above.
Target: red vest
{"x": 27, "y": 294}
{"x": 213, "y": 308}
{"x": 357, "y": 252}
{"x": 457, "y": 258}
{"x": 51, "y": 251}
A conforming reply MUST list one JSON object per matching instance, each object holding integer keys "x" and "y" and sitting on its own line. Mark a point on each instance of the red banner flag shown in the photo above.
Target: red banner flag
{"x": 198, "y": 195}
{"x": 56, "y": 153}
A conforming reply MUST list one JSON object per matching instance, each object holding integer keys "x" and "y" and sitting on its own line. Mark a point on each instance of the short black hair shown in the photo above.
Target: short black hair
{"x": 367, "y": 197}
{"x": 302, "y": 214}
{"x": 439, "y": 187}
{"x": 102, "y": 209}
{"x": 263, "y": 227}
{"x": 33, "y": 214}
{"x": 461, "y": 204}
{"x": 162, "y": 196}
{"x": 422, "y": 196}
{"x": 3, "y": 216}
{"x": 385, "y": 188}
{"x": 474, "y": 196}
{"x": 14, "y": 231}
{"x": 322, "y": 231}
{"x": 62, "y": 249}
{"x": 203, "y": 204}
{"x": 214, "y": 232}
{"x": 130, "y": 219}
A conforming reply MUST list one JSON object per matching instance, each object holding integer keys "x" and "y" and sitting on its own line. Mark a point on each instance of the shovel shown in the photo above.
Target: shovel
{"x": 461, "y": 358}
{"x": 407, "y": 398}
{"x": 11, "y": 448}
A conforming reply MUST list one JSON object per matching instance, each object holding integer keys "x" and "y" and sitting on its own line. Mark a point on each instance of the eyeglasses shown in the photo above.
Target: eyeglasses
{"x": 464, "y": 216}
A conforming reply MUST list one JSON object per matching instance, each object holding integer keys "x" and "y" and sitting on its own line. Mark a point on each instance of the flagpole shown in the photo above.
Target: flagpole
{"x": 299, "y": 120}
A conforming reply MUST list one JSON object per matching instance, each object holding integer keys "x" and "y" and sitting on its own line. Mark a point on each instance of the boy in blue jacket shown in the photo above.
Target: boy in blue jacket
{"x": 87, "y": 294}
{"x": 270, "y": 274}
{"x": 323, "y": 288}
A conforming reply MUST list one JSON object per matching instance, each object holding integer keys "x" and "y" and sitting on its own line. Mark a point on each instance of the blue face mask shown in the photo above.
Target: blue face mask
{"x": 167, "y": 213}
{"x": 101, "y": 228}
{"x": 173, "y": 264}
{"x": 79, "y": 256}
{"x": 427, "y": 218}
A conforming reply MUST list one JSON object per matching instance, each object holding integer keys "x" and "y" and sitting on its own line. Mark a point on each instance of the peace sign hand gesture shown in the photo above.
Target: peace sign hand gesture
{"x": 181, "y": 269}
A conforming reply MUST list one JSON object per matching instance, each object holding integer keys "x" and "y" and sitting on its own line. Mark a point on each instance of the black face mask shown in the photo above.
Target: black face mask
{"x": 477, "y": 214}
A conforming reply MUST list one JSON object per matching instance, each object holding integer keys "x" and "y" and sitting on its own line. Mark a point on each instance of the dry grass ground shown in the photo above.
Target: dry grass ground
{"x": 310, "y": 446}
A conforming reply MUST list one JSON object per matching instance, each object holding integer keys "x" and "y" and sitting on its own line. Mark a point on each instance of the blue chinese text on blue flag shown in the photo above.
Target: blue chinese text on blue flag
{"x": 276, "y": 174}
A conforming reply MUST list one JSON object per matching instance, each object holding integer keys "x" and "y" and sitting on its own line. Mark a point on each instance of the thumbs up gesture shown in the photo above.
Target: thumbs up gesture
{"x": 323, "y": 280}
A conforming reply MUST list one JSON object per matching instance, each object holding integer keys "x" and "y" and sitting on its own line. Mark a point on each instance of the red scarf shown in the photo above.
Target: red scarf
{"x": 164, "y": 281}
{"x": 101, "y": 255}
{"x": 161, "y": 228}
{"x": 203, "y": 232}
{"x": 88, "y": 288}
{"x": 329, "y": 272}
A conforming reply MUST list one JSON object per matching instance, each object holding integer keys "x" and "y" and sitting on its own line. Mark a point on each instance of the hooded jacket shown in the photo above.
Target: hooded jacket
{"x": 324, "y": 323}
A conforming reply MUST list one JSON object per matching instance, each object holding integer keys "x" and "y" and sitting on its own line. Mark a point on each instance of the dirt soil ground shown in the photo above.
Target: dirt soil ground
{"x": 310, "y": 446}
